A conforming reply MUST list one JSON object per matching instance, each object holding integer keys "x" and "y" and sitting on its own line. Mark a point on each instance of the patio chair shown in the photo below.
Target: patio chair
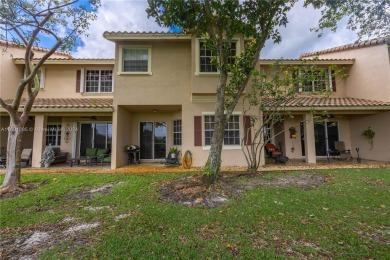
{"x": 26, "y": 156}
{"x": 272, "y": 151}
{"x": 172, "y": 159}
{"x": 344, "y": 154}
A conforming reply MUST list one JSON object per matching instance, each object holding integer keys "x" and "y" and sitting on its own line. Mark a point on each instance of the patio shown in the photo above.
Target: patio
{"x": 161, "y": 168}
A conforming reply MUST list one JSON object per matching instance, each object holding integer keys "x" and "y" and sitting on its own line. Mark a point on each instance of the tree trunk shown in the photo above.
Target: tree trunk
{"x": 214, "y": 160}
{"x": 12, "y": 177}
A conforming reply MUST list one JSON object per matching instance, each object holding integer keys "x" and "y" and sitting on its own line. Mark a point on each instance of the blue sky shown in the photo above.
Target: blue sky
{"x": 130, "y": 15}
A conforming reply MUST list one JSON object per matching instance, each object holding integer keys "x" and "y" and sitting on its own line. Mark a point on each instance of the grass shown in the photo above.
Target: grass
{"x": 348, "y": 217}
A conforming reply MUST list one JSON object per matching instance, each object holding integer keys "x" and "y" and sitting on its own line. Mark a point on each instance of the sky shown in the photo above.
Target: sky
{"x": 130, "y": 15}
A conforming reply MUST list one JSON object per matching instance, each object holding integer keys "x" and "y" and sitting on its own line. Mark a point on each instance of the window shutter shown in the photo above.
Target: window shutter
{"x": 78, "y": 75}
{"x": 333, "y": 81}
{"x": 197, "y": 131}
{"x": 247, "y": 130}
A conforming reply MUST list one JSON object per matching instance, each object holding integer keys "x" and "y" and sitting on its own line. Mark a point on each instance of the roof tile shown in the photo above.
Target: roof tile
{"x": 348, "y": 47}
{"x": 331, "y": 102}
{"x": 69, "y": 103}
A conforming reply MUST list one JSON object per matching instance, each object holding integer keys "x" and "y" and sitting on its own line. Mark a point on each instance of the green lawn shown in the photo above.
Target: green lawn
{"x": 347, "y": 217}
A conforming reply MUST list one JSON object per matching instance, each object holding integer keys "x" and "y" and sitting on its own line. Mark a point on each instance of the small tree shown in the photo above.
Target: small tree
{"x": 221, "y": 21}
{"x": 25, "y": 22}
{"x": 267, "y": 102}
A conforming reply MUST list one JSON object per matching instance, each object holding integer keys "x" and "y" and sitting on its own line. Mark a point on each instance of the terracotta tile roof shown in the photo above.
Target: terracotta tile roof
{"x": 143, "y": 32}
{"x": 325, "y": 102}
{"x": 348, "y": 47}
{"x": 305, "y": 59}
{"x": 74, "y": 59}
{"x": 37, "y": 48}
{"x": 69, "y": 103}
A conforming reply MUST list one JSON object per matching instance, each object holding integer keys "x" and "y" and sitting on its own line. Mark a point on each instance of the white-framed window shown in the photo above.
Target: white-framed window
{"x": 205, "y": 56}
{"x": 177, "y": 132}
{"x": 232, "y": 130}
{"x": 135, "y": 60}
{"x": 53, "y": 134}
{"x": 97, "y": 81}
{"x": 315, "y": 80}
{"x": 41, "y": 77}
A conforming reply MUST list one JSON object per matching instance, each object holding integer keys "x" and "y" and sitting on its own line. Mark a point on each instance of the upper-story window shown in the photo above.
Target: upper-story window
{"x": 97, "y": 81}
{"x": 314, "y": 80}
{"x": 206, "y": 55}
{"x": 135, "y": 60}
{"x": 232, "y": 130}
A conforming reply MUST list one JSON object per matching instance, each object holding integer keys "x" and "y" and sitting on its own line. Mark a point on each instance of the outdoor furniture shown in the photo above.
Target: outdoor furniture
{"x": 26, "y": 156}
{"x": 105, "y": 158}
{"x": 272, "y": 151}
{"x": 3, "y": 157}
{"x": 343, "y": 153}
{"x": 59, "y": 157}
{"x": 88, "y": 160}
{"x": 133, "y": 156}
{"x": 172, "y": 159}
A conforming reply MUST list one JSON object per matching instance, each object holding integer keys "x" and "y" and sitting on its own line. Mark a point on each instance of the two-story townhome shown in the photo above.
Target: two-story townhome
{"x": 159, "y": 92}
{"x": 73, "y": 109}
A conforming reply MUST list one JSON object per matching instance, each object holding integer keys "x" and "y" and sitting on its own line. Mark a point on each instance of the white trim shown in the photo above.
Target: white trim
{"x": 197, "y": 56}
{"x": 100, "y": 81}
{"x": 74, "y": 139}
{"x": 42, "y": 79}
{"x": 82, "y": 79}
{"x": 120, "y": 63}
{"x": 227, "y": 146}
{"x": 224, "y": 147}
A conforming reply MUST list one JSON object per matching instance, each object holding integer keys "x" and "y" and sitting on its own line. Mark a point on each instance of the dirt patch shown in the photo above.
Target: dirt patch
{"x": 192, "y": 191}
{"x": 26, "y": 187}
{"x": 27, "y": 243}
{"x": 89, "y": 194}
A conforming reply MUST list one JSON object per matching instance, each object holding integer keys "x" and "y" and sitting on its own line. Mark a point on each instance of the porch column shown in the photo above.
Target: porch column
{"x": 262, "y": 152}
{"x": 121, "y": 135}
{"x": 310, "y": 147}
{"x": 39, "y": 139}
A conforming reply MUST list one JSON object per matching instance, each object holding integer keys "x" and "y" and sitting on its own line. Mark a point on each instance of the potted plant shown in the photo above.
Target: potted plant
{"x": 369, "y": 134}
{"x": 48, "y": 156}
{"x": 173, "y": 151}
{"x": 293, "y": 132}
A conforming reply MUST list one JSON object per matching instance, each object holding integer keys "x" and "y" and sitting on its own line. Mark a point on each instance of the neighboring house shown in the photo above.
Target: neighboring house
{"x": 159, "y": 92}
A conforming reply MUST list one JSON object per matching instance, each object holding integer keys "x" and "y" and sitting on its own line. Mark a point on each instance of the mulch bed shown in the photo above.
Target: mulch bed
{"x": 192, "y": 190}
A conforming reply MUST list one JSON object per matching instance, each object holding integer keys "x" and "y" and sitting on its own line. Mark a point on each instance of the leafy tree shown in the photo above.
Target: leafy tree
{"x": 221, "y": 21}
{"x": 24, "y": 22}
{"x": 267, "y": 102}
{"x": 370, "y": 17}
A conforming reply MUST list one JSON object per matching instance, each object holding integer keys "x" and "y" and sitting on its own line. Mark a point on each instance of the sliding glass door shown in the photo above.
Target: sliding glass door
{"x": 95, "y": 135}
{"x": 153, "y": 140}
{"x": 325, "y": 134}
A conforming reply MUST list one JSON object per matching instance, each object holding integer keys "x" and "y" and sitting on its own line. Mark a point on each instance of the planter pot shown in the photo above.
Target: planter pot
{"x": 47, "y": 165}
{"x": 173, "y": 156}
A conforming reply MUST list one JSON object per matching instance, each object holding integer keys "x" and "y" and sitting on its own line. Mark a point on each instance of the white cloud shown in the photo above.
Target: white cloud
{"x": 131, "y": 16}
{"x": 297, "y": 37}
{"x": 114, "y": 16}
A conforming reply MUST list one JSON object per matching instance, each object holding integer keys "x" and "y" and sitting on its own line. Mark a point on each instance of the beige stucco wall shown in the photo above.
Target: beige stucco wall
{"x": 380, "y": 124}
{"x": 60, "y": 82}
{"x": 169, "y": 83}
{"x": 369, "y": 77}
{"x": 10, "y": 74}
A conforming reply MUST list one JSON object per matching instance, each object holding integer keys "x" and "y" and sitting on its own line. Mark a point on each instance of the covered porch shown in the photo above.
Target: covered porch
{"x": 68, "y": 125}
{"x": 318, "y": 123}
{"x": 152, "y": 128}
